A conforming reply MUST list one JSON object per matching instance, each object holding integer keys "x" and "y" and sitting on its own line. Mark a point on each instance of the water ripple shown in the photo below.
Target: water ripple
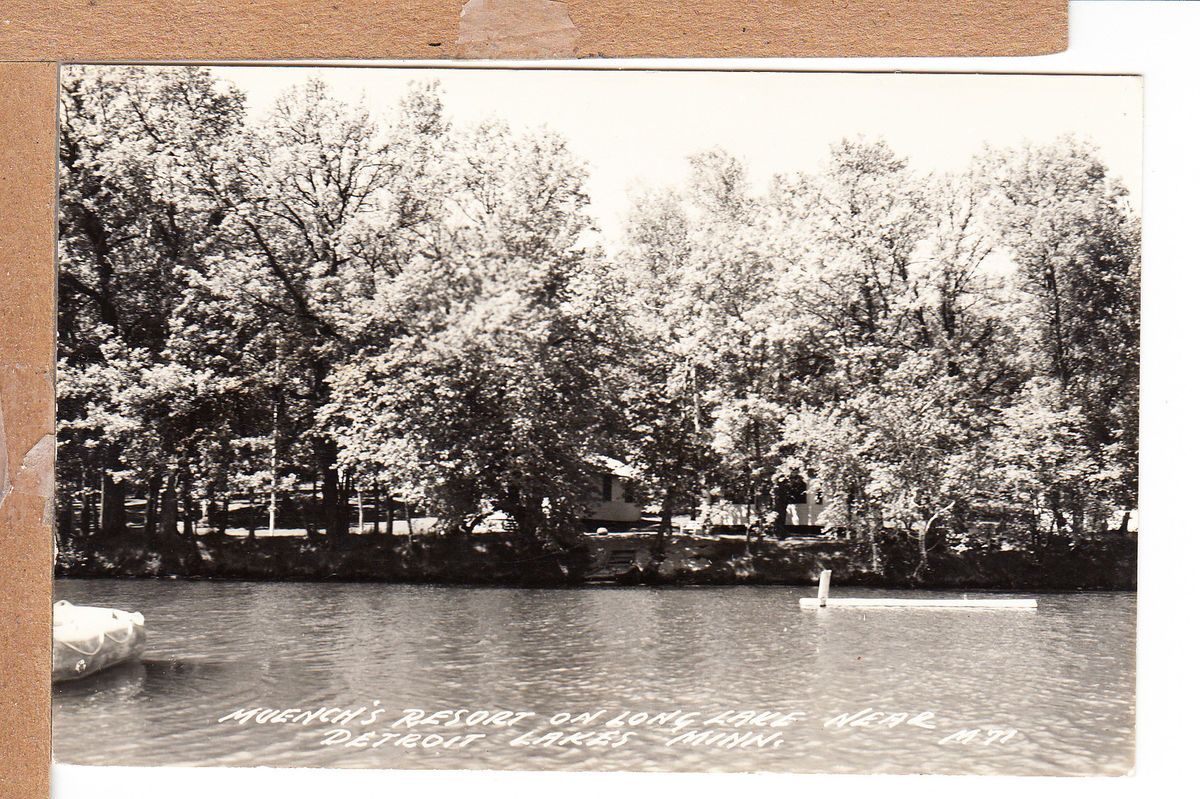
{"x": 1063, "y": 677}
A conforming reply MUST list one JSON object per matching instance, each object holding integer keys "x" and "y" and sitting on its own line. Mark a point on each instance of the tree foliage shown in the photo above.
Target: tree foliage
{"x": 327, "y": 301}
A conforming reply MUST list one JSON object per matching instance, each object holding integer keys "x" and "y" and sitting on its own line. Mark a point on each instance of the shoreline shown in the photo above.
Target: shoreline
{"x": 587, "y": 585}
{"x": 624, "y": 560}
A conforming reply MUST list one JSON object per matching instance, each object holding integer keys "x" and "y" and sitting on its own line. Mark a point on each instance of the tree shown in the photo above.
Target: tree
{"x": 666, "y": 437}
{"x": 142, "y": 158}
{"x": 1035, "y": 459}
{"x": 870, "y": 215}
{"x": 722, "y": 353}
{"x": 329, "y": 207}
{"x": 493, "y": 393}
{"x": 918, "y": 349}
{"x": 407, "y": 306}
{"x": 1075, "y": 240}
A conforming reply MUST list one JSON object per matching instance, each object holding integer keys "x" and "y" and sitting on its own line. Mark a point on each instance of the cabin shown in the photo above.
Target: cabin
{"x": 612, "y": 507}
{"x": 801, "y": 511}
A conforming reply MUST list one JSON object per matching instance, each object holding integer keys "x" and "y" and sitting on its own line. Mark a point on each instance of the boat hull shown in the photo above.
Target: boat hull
{"x": 88, "y": 640}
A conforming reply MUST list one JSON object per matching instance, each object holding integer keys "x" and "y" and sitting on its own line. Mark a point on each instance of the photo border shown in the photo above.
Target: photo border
{"x": 1129, "y": 37}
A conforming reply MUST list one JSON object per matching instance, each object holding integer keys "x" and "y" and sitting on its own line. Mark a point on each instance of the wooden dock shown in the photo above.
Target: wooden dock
{"x": 822, "y": 600}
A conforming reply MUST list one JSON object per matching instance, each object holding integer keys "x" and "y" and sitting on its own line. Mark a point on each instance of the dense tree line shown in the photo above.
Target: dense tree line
{"x": 329, "y": 302}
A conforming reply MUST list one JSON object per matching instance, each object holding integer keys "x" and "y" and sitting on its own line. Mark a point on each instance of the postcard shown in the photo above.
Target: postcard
{"x": 596, "y": 420}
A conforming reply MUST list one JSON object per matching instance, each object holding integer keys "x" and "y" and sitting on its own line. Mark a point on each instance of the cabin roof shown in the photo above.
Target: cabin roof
{"x": 613, "y": 466}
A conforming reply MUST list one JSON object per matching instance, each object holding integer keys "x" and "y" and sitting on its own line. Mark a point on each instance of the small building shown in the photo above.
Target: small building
{"x": 612, "y": 504}
{"x": 610, "y": 508}
{"x": 801, "y": 512}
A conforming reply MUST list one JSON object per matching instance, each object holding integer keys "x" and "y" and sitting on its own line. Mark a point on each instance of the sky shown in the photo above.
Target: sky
{"x": 636, "y": 128}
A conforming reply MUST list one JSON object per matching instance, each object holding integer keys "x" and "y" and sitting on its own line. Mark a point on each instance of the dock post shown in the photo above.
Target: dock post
{"x": 823, "y": 587}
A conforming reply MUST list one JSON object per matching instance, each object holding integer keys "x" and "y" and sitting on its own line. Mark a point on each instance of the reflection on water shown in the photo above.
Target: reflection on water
{"x": 1061, "y": 677}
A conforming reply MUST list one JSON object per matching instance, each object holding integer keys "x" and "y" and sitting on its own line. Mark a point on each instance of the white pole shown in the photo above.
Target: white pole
{"x": 274, "y": 473}
{"x": 274, "y": 446}
{"x": 823, "y": 587}
{"x": 358, "y": 490}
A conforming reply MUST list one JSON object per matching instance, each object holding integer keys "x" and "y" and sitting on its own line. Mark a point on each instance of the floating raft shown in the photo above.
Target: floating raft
{"x": 822, "y": 600}
{"x": 888, "y": 602}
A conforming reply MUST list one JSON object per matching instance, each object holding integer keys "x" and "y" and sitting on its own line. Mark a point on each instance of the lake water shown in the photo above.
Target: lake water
{"x": 1050, "y": 691}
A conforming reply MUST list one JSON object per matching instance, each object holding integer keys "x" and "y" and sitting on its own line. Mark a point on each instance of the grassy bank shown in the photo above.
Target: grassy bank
{"x": 493, "y": 559}
{"x": 1111, "y": 566}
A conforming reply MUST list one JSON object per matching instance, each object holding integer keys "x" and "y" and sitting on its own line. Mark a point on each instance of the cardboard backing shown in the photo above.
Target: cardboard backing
{"x": 41, "y": 33}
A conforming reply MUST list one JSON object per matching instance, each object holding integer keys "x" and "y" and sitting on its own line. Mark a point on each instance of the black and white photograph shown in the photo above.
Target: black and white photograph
{"x": 597, "y": 420}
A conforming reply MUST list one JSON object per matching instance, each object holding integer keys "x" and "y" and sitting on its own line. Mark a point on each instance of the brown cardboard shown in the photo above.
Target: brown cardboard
{"x": 27, "y": 202}
{"x": 137, "y": 30}
{"x": 131, "y": 30}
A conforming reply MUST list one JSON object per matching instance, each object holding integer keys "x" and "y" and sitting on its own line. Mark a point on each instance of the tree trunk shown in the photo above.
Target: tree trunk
{"x": 751, "y": 516}
{"x": 310, "y": 514}
{"x": 358, "y": 498}
{"x": 150, "y": 528}
{"x": 274, "y": 450}
{"x": 391, "y": 513}
{"x": 923, "y": 540}
{"x": 87, "y": 512}
{"x": 922, "y": 550}
{"x": 223, "y": 524}
{"x": 779, "y": 500}
{"x": 169, "y": 515}
{"x": 664, "y": 525}
{"x": 271, "y": 499}
{"x": 523, "y": 517}
{"x": 81, "y": 492}
{"x": 333, "y": 499}
{"x": 251, "y": 521}
{"x": 65, "y": 519}
{"x": 1060, "y": 519}
{"x": 112, "y": 500}
{"x": 206, "y": 508}
{"x": 188, "y": 507}
{"x": 874, "y": 525}
{"x": 375, "y": 510}
{"x": 331, "y": 503}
